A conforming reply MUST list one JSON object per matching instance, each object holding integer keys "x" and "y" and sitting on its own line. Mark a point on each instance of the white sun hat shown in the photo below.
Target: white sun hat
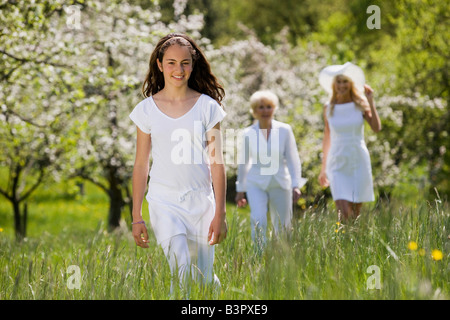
{"x": 348, "y": 69}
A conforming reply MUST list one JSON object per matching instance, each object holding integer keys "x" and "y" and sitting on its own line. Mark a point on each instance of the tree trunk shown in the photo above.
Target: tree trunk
{"x": 116, "y": 202}
{"x": 20, "y": 220}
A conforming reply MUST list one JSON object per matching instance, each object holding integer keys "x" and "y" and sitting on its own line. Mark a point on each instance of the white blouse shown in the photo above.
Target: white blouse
{"x": 260, "y": 159}
{"x": 178, "y": 148}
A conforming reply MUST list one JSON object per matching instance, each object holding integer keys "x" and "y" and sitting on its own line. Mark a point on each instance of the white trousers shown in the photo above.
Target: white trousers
{"x": 189, "y": 259}
{"x": 279, "y": 203}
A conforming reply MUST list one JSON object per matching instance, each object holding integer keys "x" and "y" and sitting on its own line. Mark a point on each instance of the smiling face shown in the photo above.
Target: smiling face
{"x": 176, "y": 65}
{"x": 342, "y": 85}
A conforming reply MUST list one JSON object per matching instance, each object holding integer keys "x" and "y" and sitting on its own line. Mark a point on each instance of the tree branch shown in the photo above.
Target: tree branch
{"x": 97, "y": 183}
{"x": 25, "y": 60}
{"x": 11, "y": 111}
{"x": 33, "y": 187}
{"x": 5, "y": 194}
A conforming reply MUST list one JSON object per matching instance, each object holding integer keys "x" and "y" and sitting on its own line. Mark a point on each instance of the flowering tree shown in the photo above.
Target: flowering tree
{"x": 39, "y": 95}
{"x": 408, "y": 149}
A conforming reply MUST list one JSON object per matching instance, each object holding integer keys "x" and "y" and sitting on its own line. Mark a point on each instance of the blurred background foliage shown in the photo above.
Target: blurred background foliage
{"x": 68, "y": 85}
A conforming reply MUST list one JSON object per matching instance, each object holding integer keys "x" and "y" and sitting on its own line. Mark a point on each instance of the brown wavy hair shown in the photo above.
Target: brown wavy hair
{"x": 201, "y": 79}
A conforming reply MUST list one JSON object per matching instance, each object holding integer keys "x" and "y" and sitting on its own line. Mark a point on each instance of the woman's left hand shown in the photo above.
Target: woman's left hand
{"x": 368, "y": 91}
{"x": 217, "y": 230}
{"x": 296, "y": 194}
{"x": 240, "y": 199}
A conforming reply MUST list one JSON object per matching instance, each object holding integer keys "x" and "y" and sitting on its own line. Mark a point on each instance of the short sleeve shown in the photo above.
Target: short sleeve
{"x": 140, "y": 116}
{"x": 213, "y": 113}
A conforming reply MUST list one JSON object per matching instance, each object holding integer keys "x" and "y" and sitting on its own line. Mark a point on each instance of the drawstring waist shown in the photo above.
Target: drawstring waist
{"x": 157, "y": 191}
{"x": 192, "y": 192}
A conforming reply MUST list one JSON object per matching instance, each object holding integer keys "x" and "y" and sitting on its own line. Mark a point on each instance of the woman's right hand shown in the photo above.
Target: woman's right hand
{"x": 240, "y": 199}
{"x": 323, "y": 180}
{"x": 140, "y": 235}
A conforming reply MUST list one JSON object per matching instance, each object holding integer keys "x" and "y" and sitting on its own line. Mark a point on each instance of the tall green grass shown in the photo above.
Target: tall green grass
{"x": 318, "y": 259}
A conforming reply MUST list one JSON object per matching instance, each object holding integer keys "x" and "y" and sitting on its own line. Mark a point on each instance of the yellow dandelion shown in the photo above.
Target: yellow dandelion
{"x": 336, "y": 230}
{"x": 343, "y": 231}
{"x": 1, "y": 229}
{"x": 436, "y": 255}
{"x": 421, "y": 252}
{"x": 338, "y": 223}
{"x": 412, "y": 245}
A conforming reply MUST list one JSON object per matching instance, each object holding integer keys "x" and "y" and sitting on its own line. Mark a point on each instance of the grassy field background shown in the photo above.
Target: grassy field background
{"x": 406, "y": 244}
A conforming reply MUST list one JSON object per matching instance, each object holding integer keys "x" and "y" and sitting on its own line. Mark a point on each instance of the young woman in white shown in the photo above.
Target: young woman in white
{"x": 346, "y": 165}
{"x": 178, "y": 123}
{"x": 269, "y": 170}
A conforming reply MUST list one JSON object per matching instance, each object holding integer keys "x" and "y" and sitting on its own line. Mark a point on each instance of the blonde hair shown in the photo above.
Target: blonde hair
{"x": 262, "y": 96}
{"x": 356, "y": 96}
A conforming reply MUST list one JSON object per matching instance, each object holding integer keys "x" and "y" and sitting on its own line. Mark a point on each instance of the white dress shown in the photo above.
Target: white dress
{"x": 348, "y": 163}
{"x": 180, "y": 195}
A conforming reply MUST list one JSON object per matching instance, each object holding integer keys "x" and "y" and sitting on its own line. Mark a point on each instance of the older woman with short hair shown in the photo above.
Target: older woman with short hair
{"x": 269, "y": 170}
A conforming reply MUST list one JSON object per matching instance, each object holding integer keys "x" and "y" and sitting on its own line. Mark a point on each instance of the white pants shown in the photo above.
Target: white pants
{"x": 279, "y": 203}
{"x": 189, "y": 259}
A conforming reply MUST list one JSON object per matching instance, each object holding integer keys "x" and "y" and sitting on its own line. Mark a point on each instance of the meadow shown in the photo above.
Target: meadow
{"x": 393, "y": 251}
{"x": 71, "y": 71}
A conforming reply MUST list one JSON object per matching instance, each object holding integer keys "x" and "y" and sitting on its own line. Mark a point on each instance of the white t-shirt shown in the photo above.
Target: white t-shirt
{"x": 180, "y": 160}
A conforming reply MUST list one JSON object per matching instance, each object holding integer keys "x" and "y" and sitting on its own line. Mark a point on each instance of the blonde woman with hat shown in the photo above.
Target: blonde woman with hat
{"x": 346, "y": 165}
{"x": 269, "y": 170}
